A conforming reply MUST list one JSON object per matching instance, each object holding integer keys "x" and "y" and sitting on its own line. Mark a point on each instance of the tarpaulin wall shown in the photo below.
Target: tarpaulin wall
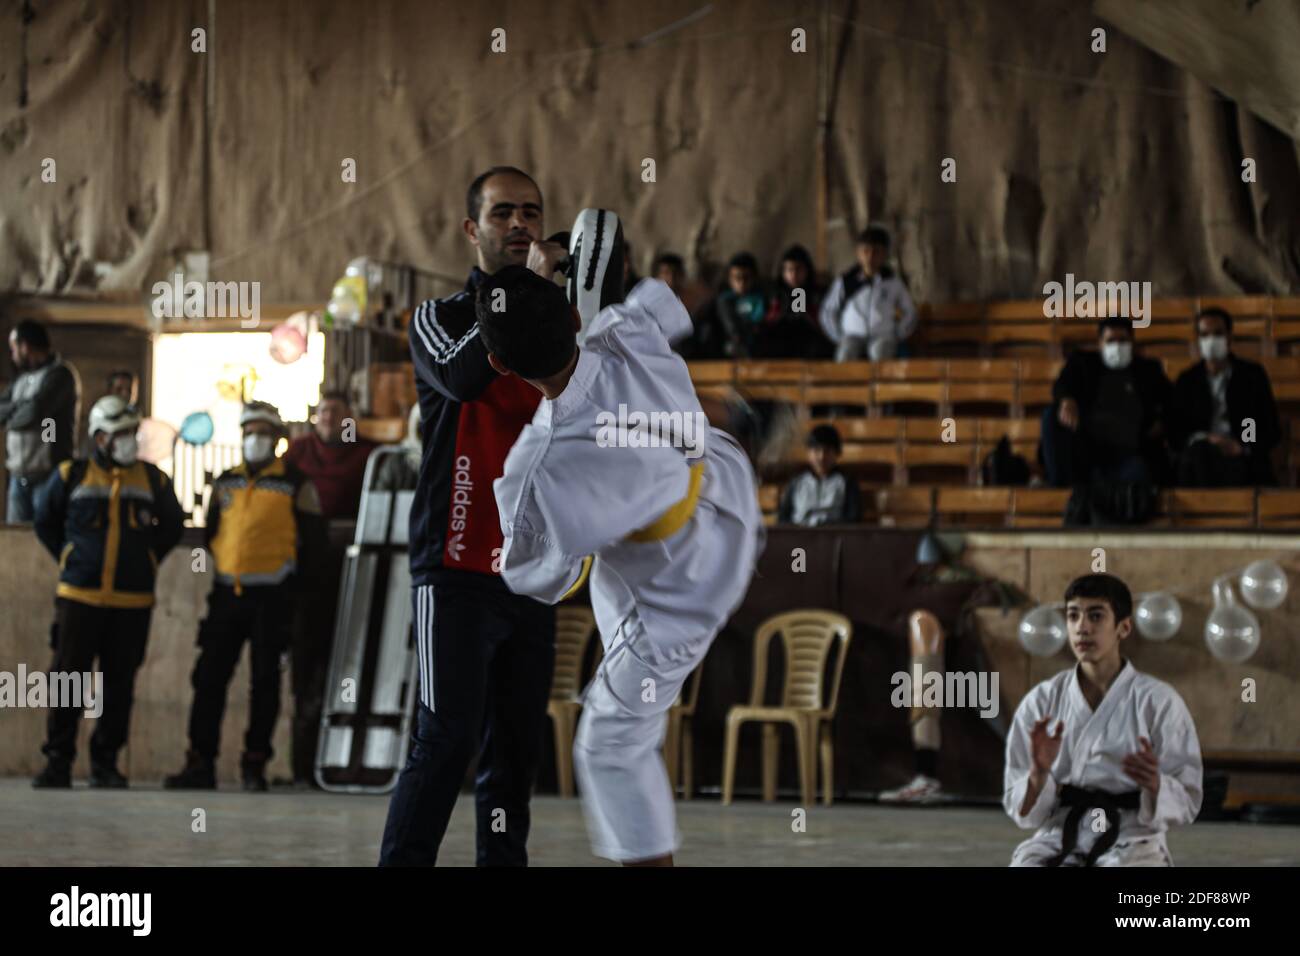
{"x": 1114, "y": 166}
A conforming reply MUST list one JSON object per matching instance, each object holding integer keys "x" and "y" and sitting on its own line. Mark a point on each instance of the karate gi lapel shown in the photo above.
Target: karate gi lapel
{"x": 1092, "y": 734}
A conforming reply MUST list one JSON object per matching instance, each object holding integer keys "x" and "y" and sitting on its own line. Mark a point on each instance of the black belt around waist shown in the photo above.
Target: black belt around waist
{"x": 1080, "y": 801}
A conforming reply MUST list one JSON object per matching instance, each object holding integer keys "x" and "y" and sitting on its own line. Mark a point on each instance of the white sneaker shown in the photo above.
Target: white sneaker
{"x": 921, "y": 790}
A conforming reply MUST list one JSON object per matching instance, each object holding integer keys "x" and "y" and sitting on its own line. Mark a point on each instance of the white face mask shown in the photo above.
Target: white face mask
{"x": 124, "y": 449}
{"x": 258, "y": 448}
{"x": 1214, "y": 348}
{"x": 1117, "y": 355}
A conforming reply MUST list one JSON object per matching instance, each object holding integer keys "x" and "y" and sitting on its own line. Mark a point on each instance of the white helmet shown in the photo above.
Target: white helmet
{"x": 262, "y": 412}
{"x": 112, "y": 414}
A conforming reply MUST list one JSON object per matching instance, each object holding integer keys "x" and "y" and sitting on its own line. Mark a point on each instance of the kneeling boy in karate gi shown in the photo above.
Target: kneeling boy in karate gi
{"x": 660, "y": 508}
{"x": 1082, "y": 740}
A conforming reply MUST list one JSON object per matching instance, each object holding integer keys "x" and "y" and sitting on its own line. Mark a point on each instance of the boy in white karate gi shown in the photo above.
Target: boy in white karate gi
{"x": 1101, "y": 759}
{"x": 620, "y": 475}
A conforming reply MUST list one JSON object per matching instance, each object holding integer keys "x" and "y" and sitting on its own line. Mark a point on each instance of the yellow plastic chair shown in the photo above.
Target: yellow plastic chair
{"x": 808, "y": 636}
{"x": 574, "y": 628}
{"x": 679, "y": 740}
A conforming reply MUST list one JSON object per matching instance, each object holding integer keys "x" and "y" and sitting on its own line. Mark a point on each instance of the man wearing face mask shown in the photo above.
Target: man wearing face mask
{"x": 108, "y": 520}
{"x": 1106, "y": 423}
{"x": 265, "y": 535}
{"x": 1214, "y": 403}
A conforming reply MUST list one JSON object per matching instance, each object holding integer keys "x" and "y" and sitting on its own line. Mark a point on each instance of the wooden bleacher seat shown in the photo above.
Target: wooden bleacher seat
{"x": 1210, "y": 507}
{"x": 929, "y": 394}
{"x": 973, "y": 507}
{"x": 1023, "y": 433}
{"x": 1020, "y": 327}
{"x": 880, "y": 461}
{"x": 956, "y": 326}
{"x": 1279, "y": 508}
{"x": 949, "y": 463}
{"x": 992, "y": 393}
{"x": 1037, "y": 376}
{"x": 854, "y": 430}
{"x": 774, "y": 380}
{"x": 838, "y": 373}
{"x": 839, "y": 397}
{"x": 1286, "y": 324}
{"x": 1038, "y": 507}
{"x": 904, "y": 507}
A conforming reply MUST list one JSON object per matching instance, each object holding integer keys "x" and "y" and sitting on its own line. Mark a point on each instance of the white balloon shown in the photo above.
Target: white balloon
{"x": 1159, "y": 616}
{"x": 1042, "y": 631}
{"x": 1264, "y": 585}
{"x": 1232, "y": 633}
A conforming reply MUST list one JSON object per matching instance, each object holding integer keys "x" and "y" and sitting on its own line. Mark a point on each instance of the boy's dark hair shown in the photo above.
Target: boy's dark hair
{"x": 798, "y": 253}
{"x": 874, "y": 236}
{"x": 1108, "y": 588}
{"x": 1214, "y": 312}
{"x": 125, "y": 373}
{"x": 33, "y": 333}
{"x": 1115, "y": 322}
{"x": 743, "y": 260}
{"x": 532, "y": 335}
{"x": 825, "y": 436}
{"x": 670, "y": 259}
{"x": 474, "y": 197}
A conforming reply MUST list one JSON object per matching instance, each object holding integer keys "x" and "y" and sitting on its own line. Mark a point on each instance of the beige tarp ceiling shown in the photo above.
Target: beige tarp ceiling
{"x": 1115, "y": 165}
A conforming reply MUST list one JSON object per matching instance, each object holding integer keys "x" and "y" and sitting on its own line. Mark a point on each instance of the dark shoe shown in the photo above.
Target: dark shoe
{"x": 56, "y": 775}
{"x": 106, "y": 776}
{"x": 199, "y": 774}
{"x": 252, "y": 767}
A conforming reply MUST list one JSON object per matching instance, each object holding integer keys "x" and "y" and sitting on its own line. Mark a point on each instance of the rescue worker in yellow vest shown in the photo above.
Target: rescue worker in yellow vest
{"x": 265, "y": 535}
{"x": 108, "y": 520}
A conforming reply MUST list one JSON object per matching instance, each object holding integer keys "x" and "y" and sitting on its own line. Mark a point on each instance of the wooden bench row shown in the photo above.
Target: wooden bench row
{"x": 917, "y": 506}
{"x": 944, "y": 385}
{"x": 1262, "y": 325}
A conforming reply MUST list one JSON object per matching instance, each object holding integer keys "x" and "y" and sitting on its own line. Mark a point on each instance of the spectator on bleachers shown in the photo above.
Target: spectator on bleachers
{"x": 1106, "y": 422}
{"x": 671, "y": 270}
{"x": 823, "y": 494}
{"x": 727, "y": 326}
{"x": 1214, "y": 402}
{"x": 791, "y": 329}
{"x": 868, "y": 309}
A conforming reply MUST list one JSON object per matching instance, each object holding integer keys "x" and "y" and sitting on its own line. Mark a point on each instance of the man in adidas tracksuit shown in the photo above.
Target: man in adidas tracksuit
{"x": 486, "y": 655}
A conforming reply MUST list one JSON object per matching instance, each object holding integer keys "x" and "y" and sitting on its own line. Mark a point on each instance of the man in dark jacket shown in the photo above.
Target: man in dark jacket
{"x": 1107, "y": 420}
{"x": 1223, "y": 422}
{"x": 109, "y": 521}
{"x": 38, "y": 412}
{"x": 486, "y": 655}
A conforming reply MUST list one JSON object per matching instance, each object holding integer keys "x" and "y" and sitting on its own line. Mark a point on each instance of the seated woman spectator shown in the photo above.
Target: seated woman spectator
{"x": 1223, "y": 422}
{"x": 791, "y": 329}
{"x": 823, "y": 494}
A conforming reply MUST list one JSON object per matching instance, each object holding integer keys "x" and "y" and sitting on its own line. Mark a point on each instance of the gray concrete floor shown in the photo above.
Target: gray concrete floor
{"x": 152, "y": 827}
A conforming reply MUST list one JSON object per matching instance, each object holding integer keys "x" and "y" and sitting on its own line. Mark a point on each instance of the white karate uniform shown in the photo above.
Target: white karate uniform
{"x": 1093, "y": 747}
{"x": 658, "y": 603}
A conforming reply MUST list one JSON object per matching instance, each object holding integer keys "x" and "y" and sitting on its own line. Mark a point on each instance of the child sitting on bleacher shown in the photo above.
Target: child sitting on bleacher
{"x": 823, "y": 494}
